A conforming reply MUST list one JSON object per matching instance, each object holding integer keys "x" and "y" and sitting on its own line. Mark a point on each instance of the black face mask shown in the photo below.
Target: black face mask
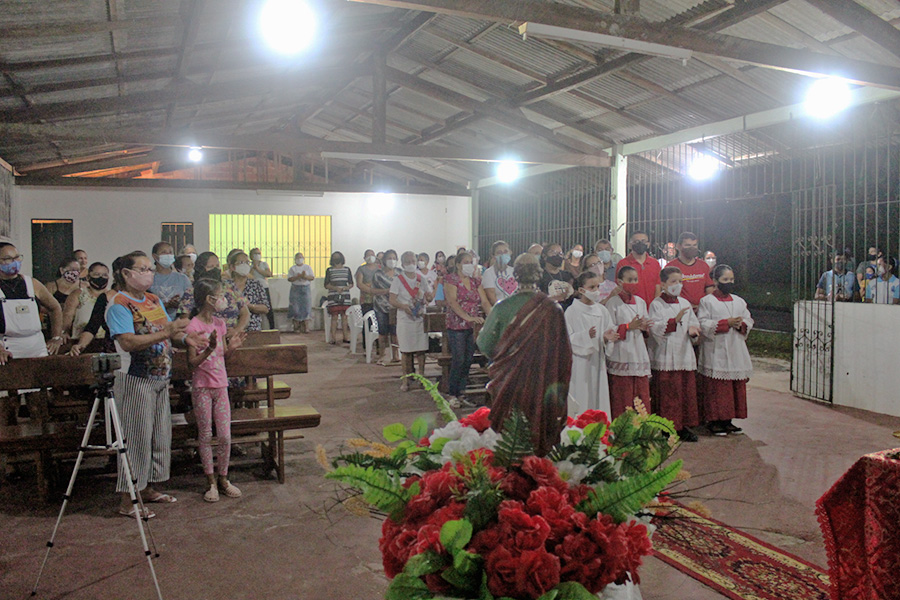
{"x": 871, "y": 258}
{"x": 212, "y": 274}
{"x": 98, "y": 283}
{"x": 639, "y": 247}
{"x": 690, "y": 252}
{"x": 726, "y": 288}
{"x": 555, "y": 261}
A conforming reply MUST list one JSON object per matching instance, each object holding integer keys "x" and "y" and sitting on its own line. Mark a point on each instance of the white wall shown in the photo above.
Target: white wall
{"x": 109, "y": 222}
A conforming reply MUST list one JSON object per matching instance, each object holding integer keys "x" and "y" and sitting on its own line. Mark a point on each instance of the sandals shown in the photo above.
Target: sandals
{"x": 162, "y": 499}
{"x": 230, "y": 490}
{"x": 212, "y": 494}
{"x": 148, "y": 514}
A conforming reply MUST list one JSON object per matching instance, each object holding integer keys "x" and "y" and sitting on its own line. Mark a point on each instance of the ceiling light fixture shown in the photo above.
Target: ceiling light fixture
{"x": 195, "y": 155}
{"x": 287, "y": 26}
{"x": 588, "y": 37}
{"x": 827, "y": 97}
{"x": 508, "y": 171}
{"x": 703, "y": 167}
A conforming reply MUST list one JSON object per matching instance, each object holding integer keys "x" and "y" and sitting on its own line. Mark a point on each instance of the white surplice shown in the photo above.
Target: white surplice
{"x": 671, "y": 351}
{"x": 588, "y": 386}
{"x": 629, "y": 357}
{"x": 724, "y": 355}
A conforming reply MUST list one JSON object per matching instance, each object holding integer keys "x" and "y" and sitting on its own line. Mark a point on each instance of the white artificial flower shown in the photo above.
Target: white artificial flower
{"x": 452, "y": 431}
{"x": 570, "y": 472}
{"x": 565, "y": 439}
{"x": 468, "y": 441}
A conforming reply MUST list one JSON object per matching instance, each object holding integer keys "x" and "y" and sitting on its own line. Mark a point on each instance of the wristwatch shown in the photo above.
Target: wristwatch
{"x": 56, "y": 338}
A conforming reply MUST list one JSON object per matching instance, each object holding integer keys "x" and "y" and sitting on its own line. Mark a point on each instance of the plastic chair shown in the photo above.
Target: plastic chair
{"x": 326, "y": 319}
{"x": 370, "y": 321}
{"x": 354, "y": 318}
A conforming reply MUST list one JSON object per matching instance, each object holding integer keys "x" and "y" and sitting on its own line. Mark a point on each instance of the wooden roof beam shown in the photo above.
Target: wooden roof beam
{"x": 761, "y": 54}
{"x": 76, "y": 28}
{"x": 863, "y": 21}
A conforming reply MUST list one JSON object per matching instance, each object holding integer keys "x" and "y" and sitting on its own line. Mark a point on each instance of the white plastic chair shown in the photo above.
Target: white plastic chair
{"x": 326, "y": 319}
{"x": 354, "y": 318}
{"x": 370, "y": 321}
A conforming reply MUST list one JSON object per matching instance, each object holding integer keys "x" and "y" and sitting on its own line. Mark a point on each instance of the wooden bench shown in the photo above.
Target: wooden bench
{"x": 437, "y": 322}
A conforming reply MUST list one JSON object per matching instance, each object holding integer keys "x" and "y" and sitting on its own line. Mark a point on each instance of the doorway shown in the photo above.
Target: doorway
{"x": 51, "y": 242}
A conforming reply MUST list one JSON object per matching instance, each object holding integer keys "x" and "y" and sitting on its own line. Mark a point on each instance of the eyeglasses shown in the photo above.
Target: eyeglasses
{"x": 6, "y": 261}
{"x": 143, "y": 270}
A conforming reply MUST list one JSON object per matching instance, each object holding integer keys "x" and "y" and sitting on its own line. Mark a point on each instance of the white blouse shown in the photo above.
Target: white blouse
{"x": 629, "y": 357}
{"x": 671, "y": 351}
{"x": 724, "y": 355}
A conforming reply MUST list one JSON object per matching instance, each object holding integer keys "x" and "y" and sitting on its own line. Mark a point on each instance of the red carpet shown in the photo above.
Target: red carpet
{"x": 733, "y": 563}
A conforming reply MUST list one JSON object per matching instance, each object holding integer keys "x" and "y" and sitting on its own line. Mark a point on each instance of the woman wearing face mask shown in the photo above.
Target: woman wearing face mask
{"x": 724, "y": 364}
{"x": 467, "y": 304}
{"x": 79, "y": 307}
{"x": 709, "y": 257}
{"x": 260, "y": 271}
{"x": 236, "y": 314}
{"x": 593, "y": 264}
{"x": 300, "y": 275}
{"x": 250, "y": 289}
{"x": 409, "y": 294}
{"x": 338, "y": 282}
{"x": 629, "y": 362}
{"x": 69, "y": 280}
{"x": 673, "y": 384}
{"x": 384, "y": 312}
{"x": 364, "y": 275}
{"x": 168, "y": 284}
{"x": 868, "y": 278}
{"x": 574, "y": 261}
{"x": 498, "y": 282}
{"x": 591, "y": 333}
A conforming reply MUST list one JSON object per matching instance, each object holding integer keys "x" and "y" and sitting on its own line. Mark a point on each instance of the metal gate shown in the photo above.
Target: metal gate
{"x": 813, "y": 236}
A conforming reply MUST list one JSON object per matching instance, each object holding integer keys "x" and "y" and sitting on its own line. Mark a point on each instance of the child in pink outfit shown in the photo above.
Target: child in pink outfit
{"x": 210, "y": 384}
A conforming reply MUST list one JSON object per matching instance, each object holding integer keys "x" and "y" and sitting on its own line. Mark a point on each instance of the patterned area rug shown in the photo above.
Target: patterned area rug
{"x": 733, "y": 563}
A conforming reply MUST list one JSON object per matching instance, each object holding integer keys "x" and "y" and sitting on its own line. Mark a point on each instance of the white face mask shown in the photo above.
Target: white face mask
{"x": 592, "y": 295}
{"x": 193, "y": 256}
{"x": 298, "y": 262}
{"x": 468, "y": 270}
{"x": 881, "y": 270}
{"x": 221, "y": 304}
{"x": 577, "y": 253}
{"x": 166, "y": 260}
{"x": 711, "y": 262}
{"x": 370, "y": 259}
{"x": 255, "y": 256}
{"x": 675, "y": 289}
{"x": 242, "y": 270}
{"x": 421, "y": 264}
{"x": 605, "y": 256}
{"x": 391, "y": 263}
{"x": 410, "y": 268}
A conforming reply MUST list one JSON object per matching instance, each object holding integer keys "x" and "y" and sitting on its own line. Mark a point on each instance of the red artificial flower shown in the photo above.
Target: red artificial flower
{"x": 538, "y": 573}
{"x": 487, "y": 540}
{"x": 478, "y": 420}
{"x": 517, "y": 486}
{"x": 501, "y": 567}
{"x": 525, "y": 532}
{"x": 578, "y": 493}
{"x": 639, "y": 546}
{"x": 582, "y": 561}
{"x": 396, "y": 546}
{"x": 591, "y": 416}
{"x": 543, "y": 472}
{"x": 428, "y": 537}
{"x": 441, "y": 485}
{"x": 555, "y": 508}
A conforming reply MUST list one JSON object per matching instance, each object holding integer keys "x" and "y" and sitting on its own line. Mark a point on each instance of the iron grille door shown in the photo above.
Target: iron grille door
{"x": 813, "y": 234}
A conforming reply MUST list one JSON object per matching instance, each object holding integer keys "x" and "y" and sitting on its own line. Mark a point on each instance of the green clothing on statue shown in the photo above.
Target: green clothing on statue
{"x": 501, "y": 316}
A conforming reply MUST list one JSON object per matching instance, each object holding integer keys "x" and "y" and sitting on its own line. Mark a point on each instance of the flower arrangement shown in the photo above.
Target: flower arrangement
{"x": 472, "y": 513}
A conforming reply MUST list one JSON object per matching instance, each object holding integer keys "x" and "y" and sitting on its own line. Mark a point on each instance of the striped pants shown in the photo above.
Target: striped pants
{"x": 147, "y": 426}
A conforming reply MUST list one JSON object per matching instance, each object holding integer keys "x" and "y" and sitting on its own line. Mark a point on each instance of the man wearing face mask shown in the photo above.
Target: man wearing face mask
{"x": 498, "y": 282}
{"x": 871, "y": 259}
{"x": 603, "y": 245}
{"x": 885, "y": 288}
{"x": 647, "y": 267}
{"x": 696, "y": 280}
{"x": 553, "y": 271}
{"x": 168, "y": 284}
{"x": 837, "y": 283}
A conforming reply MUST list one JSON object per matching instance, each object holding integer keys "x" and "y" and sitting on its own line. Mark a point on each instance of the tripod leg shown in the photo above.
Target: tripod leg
{"x": 62, "y": 510}
{"x": 136, "y": 502}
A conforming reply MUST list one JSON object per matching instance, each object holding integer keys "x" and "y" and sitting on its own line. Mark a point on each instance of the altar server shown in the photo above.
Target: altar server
{"x": 628, "y": 363}
{"x": 591, "y": 333}
{"x": 673, "y": 385}
{"x": 725, "y": 365}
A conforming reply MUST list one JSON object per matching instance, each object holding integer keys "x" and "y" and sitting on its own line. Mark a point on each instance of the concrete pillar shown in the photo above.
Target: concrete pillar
{"x": 618, "y": 205}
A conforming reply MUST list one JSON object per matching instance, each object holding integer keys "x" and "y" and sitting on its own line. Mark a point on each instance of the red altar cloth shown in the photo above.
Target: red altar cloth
{"x": 860, "y": 521}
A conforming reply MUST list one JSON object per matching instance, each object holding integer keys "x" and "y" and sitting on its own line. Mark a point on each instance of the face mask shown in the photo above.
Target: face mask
{"x": 880, "y": 271}
{"x": 439, "y": 260}
{"x": 640, "y": 247}
{"x": 370, "y": 259}
{"x": 98, "y": 283}
{"x": 391, "y": 263}
{"x": 871, "y": 257}
{"x": 555, "y": 260}
{"x": 468, "y": 270}
{"x": 839, "y": 267}
{"x": 675, "y": 289}
{"x": 410, "y": 268}
{"x": 690, "y": 253}
{"x": 212, "y": 274}
{"x": 604, "y": 256}
{"x": 592, "y": 295}
{"x": 298, "y": 262}
{"x": 70, "y": 276}
{"x": 726, "y": 288}
{"x": 242, "y": 270}
{"x": 255, "y": 256}
{"x": 577, "y": 253}
{"x": 166, "y": 260}
{"x": 193, "y": 256}
{"x": 11, "y": 268}
{"x": 503, "y": 259}
{"x": 597, "y": 269}
{"x": 141, "y": 281}
{"x": 870, "y": 275}
{"x": 421, "y": 264}
{"x": 711, "y": 262}
{"x": 221, "y": 304}
{"x": 631, "y": 288}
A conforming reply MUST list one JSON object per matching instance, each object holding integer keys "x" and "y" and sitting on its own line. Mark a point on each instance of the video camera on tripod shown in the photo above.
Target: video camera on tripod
{"x": 104, "y": 367}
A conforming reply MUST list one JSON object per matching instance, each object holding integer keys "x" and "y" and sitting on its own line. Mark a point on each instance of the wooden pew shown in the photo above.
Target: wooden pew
{"x": 437, "y": 322}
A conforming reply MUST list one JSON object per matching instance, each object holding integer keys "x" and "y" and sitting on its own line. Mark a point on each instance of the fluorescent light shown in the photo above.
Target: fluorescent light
{"x": 703, "y": 167}
{"x": 288, "y": 26}
{"x": 195, "y": 155}
{"x": 827, "y": 97}
{"x": 507, "y": 171}
{"x": 297, "y": 193}
{"x": 575, "y": 35}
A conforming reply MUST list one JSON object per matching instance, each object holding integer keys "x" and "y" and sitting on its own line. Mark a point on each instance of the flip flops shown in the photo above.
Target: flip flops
{"x": 148, "y": 514}
{"x": 162, "y": 499}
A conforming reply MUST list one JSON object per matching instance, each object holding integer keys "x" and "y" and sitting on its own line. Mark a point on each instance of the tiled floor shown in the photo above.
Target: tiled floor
{"x": 290, "y": 541}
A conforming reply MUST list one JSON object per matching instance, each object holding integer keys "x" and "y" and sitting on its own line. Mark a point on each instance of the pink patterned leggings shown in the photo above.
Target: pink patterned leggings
{"x": 209, "y": 404}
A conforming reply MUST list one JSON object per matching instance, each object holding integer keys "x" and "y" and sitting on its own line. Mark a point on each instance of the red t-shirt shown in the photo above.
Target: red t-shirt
{"x": 696, "y": 279}
{"x": 648, "y": 275}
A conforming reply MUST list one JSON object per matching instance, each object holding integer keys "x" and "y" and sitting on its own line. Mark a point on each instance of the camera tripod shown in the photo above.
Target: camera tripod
{"x": 115, "y": 442}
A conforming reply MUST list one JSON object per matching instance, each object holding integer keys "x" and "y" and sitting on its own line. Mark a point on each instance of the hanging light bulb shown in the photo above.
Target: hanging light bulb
{"x": 827, "y": 97}
{"x": 288, "y": 26}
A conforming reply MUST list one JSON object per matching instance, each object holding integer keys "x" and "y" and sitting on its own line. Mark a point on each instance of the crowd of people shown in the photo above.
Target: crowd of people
{"x": 874, "y": 279}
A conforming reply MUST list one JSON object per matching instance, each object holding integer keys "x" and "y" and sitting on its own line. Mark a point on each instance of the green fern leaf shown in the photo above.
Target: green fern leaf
{"x": 515, "y": 442}
{"x": 379, "y": 488}
{"x": 432, "y": 388}
{"x": 621, "y": 499}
